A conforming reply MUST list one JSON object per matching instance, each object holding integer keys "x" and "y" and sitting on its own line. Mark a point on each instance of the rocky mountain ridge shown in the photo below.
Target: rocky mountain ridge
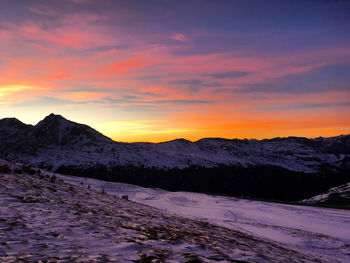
{"x": 56, "y": 141}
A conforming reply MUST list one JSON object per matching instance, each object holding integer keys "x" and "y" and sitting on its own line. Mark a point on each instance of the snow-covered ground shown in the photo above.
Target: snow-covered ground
{"x": 321, "y": 232}
{"x": 44, "y": 219}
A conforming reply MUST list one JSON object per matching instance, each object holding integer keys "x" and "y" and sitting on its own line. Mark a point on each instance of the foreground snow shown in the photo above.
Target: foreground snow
{"x": 44, "y": 219}
{"x": 322, "y": 232}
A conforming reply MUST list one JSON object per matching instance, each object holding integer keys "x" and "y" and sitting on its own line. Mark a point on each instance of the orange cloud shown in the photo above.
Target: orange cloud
{"x": 14, "y": 93}
{"x": 122, "y": 67}
{"x": 83, "y": 95}
{"x": 60, "y": 76}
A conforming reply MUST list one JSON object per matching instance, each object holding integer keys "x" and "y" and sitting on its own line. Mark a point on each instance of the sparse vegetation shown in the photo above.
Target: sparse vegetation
{"x": 28, "y": 170}
{"x": 5, "y": 169}
{"x": 53, "y": 179}
{"x": 17, "y": 171}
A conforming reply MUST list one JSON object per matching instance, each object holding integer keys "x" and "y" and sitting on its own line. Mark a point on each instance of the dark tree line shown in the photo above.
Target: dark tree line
{"x": 262, "y": 182}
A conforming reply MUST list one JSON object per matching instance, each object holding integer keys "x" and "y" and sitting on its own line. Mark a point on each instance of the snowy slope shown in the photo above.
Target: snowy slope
{"x": 55, "y": 141}
{"x": 335, "y": 196}
{"x": 44, "y": 219}
{"x": 321, "y": 232}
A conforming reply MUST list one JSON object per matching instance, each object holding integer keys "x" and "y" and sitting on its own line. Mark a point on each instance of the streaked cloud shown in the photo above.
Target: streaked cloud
{"x": 201, "y": 68}
{"x": 47, "y": 102}
{"x": 330, "y": 77}
{"x": 306, "y": 106}
{"x": 42, "y": 10}
{"x": 228, "y": 74}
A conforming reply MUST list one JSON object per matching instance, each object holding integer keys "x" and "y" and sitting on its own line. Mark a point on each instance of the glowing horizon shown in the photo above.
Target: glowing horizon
{"x": 157, "y": 71}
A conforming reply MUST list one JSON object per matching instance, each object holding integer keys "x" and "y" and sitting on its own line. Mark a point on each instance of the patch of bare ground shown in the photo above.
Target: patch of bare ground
{"x": 44, "y": 219}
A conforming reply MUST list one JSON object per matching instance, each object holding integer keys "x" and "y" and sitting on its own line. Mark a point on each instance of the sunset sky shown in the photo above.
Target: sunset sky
{"x": 159, "y": 70}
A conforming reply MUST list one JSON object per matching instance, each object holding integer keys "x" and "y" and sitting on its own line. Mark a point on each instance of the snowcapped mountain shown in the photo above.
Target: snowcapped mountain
{"x": 55, "y": 141}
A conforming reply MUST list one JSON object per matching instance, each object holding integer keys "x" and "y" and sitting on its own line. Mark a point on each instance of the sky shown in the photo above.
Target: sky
{"x": 158, "y": 70}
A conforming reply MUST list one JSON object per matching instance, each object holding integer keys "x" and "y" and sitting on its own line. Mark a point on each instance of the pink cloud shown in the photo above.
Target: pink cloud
{"x": 75, "y": 31}
{"x": 5, "y": 34}
{"x": 179, "y": 37}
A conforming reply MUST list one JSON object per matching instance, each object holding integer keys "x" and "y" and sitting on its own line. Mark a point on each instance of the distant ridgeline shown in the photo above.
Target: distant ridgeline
{"x": 290, "y": 168}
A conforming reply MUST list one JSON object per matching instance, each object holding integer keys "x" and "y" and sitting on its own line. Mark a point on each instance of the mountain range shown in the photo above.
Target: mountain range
{"x": 209, "y": 164}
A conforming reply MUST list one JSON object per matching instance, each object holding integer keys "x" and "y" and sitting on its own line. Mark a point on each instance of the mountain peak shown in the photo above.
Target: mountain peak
{"x": 180, "y": 140}
{"x": 54, "y": 129}
{"x": 53, "y": 116}
{"x": 52, "y": 119}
